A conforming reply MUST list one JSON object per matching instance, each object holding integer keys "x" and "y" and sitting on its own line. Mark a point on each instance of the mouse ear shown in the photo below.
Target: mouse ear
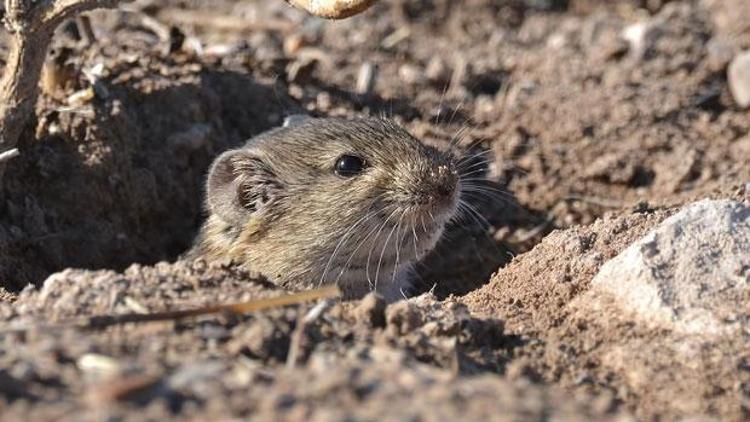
{"x": 240, "y": 184}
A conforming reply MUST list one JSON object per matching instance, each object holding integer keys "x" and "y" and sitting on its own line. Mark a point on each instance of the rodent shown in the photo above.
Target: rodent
{"x": 355, "y": 202}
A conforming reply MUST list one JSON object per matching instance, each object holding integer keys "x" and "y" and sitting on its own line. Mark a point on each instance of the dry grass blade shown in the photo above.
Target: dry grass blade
{"x": 7, "y": 155}
{"x": 103, "y": 321}
{"x": 237, "y": 308}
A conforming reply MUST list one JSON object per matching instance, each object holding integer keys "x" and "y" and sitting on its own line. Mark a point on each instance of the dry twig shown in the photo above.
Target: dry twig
{"x": 104, "y": 321}
{"x": 7, "y": 155}
{"x": 236, "y": 308}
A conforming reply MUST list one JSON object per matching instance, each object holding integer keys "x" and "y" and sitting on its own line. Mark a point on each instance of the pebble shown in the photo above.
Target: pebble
{"x": 738, "y": 75}
{"x": 641, "y": 36}
{"x": 411, "y": 74}
{"x": 437, "y": 71}
{"x": 366, "y": 78}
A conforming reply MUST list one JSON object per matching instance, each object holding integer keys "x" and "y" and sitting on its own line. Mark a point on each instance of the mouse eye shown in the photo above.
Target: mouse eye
{"x": 349, "y": 165}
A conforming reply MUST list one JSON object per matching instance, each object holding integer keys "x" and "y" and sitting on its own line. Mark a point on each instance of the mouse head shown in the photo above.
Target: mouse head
{"x": 323, "y": 185}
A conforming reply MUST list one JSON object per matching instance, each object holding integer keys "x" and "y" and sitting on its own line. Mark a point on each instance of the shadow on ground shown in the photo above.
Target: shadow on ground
{"x": 120, "y": 181}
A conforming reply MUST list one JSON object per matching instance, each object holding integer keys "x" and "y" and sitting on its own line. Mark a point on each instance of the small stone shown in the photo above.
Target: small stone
{"x": 641, "y": 36}
{"x": 371, "y": 311}
{"x": 557, "y": 41}
{"x": 411, "y": 74}
{"x": 189, "y": 375}
{"x": 738, "y": 75}
{"x": 323, "y": 101}
{"x": 366, "y": 78}
{"x": 101, "y": 364}
{"x": 436, "y": 70}
{"x": 222, "y": 50}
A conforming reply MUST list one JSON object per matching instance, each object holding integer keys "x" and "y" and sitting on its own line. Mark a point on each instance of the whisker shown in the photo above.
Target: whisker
{"x": 470, "y": 164}
{"x": 487, "y": 188}
{"x": 492, "y": 196}
{"x": 473, "y": 172}
{"x": 459, "y": 136}
{"x": 341, "y": 242}
{"x": 477, "y": 154}
{"x": 369, "y": 255}
{"x": 463, "y": 216}
{"x": 382, "y": 254}
{"x": 457, "y": 109}
{"x": 510, "y": 166}
{"x": 416, "y": 240}
{"x": 477, "y": 215}
{"x": 398, "y": 247}
{"x": 354, "y": 252}
{"x": 432, "y": 216}
{"x": 440, "y": 104}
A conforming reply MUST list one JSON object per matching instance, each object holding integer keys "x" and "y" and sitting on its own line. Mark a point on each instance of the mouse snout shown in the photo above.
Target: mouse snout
{"x": 437, "y": 187}
{"x": 444, "y": 182}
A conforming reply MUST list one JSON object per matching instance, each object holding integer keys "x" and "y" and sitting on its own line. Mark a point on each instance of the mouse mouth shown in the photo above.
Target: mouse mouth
{"x": 434, "y": 209}
{"x": 387, "y": 245}
{"x": 401, "y": 227}
{"x": 431, "y": 194}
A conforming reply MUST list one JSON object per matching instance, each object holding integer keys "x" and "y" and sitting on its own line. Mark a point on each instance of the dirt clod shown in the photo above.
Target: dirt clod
{"x": 401, "y": 318}
{"x": 371, "y": 311}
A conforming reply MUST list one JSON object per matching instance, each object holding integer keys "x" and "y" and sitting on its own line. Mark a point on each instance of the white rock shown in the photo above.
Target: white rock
{"x": 641, "y": 35}
{"x": 738, "y": 75}
{"x": 690, "y": 275}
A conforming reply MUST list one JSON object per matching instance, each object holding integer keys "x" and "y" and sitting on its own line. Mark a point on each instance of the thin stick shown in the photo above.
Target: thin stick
{"x": 103, "y": 321}
{"x": 236, "y": 308}
{"x": 8, "y": 155}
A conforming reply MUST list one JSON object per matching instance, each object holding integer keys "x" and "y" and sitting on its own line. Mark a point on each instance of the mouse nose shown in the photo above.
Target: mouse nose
{"x": 444, "y": 180}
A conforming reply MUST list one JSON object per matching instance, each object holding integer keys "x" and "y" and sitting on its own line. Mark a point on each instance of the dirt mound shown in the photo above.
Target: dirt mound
{"x": 348, "y": 354}
{"x": 572, "y": 336}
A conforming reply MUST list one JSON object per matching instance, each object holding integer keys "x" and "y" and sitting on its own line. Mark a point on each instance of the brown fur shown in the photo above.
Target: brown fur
{"x": 276, "y": 205}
